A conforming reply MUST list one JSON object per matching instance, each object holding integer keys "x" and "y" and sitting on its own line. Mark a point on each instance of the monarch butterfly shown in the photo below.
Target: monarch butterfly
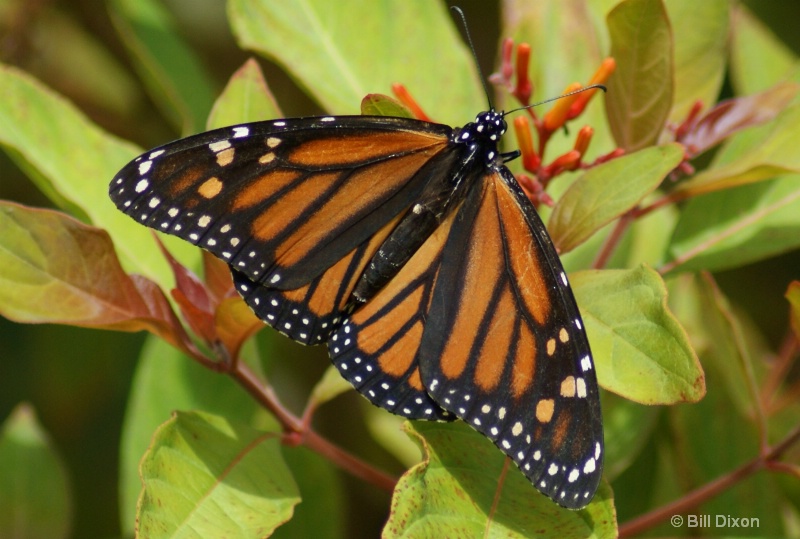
{"x": 411, "y": 250}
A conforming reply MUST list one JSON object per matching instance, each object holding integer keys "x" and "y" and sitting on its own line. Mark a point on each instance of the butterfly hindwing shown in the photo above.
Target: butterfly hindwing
{"x": 504, "y": 347}
{"x": 377, "y": 347}
{"x": 308, "y": 314}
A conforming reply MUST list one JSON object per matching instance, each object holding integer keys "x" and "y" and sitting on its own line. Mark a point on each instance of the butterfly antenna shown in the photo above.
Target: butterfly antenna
{"x": 461, "y": 15}
{"x": 579, "y": 90}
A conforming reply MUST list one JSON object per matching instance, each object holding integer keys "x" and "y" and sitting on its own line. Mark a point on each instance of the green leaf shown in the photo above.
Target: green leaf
{"x": 627, "y": 427}
{"x": 647, "y": 239}
{"x": 700, "y": 53}
{"x": 339, "y": 51}
{"x": 793, "y": 296}
{"x": 640, "y": 93}
{"x": 730, "y": 228}
{"x": 641, "y": 352}
{"x": 758, "y": 59}
{"x": 700, "y": 431}
{"x": 330, "y": 386}
{"x": 58, "y": 270}
{"x": 166, "y": 380}
{"x": 34, "y": 492}
{"x": 607, "y": 191}
{"x": 59, "y": 42}
{"x": 324, "y": 509}
{"x": 173, "y": 75}
{"x": 465, "y": 487}
{"x": 206, "y": 476}
{"x": 727, "y": 350}
{"x": 383, "y": 105}
{"x": 246, "y": 98}
{"x": 387, "y": 430}
{"x": 72, "y": 161}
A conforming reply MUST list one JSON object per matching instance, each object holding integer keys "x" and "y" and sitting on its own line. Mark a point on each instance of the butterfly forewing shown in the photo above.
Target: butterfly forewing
{"x": 281, "y": 201}
{"x": 504, "y": 347}
{"x": 295, "y": 206}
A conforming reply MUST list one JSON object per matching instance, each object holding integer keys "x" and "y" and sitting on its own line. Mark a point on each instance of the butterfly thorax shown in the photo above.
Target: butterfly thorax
{"x": 452, "y": 173}
{"x": 483, "y": 135}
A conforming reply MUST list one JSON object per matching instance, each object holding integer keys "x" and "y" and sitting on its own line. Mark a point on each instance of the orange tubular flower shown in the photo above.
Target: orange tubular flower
{"x": 522, "y": 130}
{"x": 404, "y": 96}
{"x": 556, "y": 116}
{"x": 524, "y": 87}
{"x": 568, "y": 161}
{"x": 583, "y": 139}
{"x": 600, "y": 76}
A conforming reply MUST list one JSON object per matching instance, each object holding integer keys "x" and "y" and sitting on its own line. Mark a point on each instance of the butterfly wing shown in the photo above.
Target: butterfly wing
{"x": 296, "y": 207}
{"x": 504, "y": 347}
{"x": 377, "y": 347}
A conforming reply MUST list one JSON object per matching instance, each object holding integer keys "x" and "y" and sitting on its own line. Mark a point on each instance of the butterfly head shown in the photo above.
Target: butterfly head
{"x": 484, "y": 133}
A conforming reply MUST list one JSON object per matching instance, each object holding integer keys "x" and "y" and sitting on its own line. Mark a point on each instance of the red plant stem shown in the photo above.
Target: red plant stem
{"x": 349, "y": 463}
{"x": 612, "y": 240}
{"x": 663, "y": 201}
{"x": 709, "y": 490}
{"x": 264, "y": 394}
{"x": 497, "y": 495}
{"x": 787, "y": 398}
{"x": 778, "y": 370}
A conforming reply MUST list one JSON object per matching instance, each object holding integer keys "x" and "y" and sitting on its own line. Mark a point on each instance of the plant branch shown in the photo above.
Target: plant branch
{"x": 778, "y": 371}
{"x": 264, "y": 394}
{"x": 709, "y": 490}
{"x": 612, "y": 241}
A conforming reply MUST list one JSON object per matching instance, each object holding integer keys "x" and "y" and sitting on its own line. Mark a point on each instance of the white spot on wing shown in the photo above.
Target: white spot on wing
{"x": 219, "y": 146}
{"x": 581, "y": 385}
{"x": 586, "y": 363}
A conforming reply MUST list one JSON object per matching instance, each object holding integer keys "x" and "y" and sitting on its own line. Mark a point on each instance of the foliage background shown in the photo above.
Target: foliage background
{"x": 78, "y": 380}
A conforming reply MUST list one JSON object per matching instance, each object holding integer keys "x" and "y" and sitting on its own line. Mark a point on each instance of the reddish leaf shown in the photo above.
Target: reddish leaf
{"x": 216, "y": 315}
{"x": 736, "y": 114}
{"x": 55, "y": 269}
{"x": 193, "y": 297}
{"x": 217, "y": 277}
{"x": 235, "y": 322}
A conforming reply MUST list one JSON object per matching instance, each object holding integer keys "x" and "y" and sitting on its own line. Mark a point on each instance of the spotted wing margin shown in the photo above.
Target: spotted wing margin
{"x": 504, "y": 347}
{"x": 377, "y": 347}
{"x": 282, "y": 201}
{"x": 308, "y": 314}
